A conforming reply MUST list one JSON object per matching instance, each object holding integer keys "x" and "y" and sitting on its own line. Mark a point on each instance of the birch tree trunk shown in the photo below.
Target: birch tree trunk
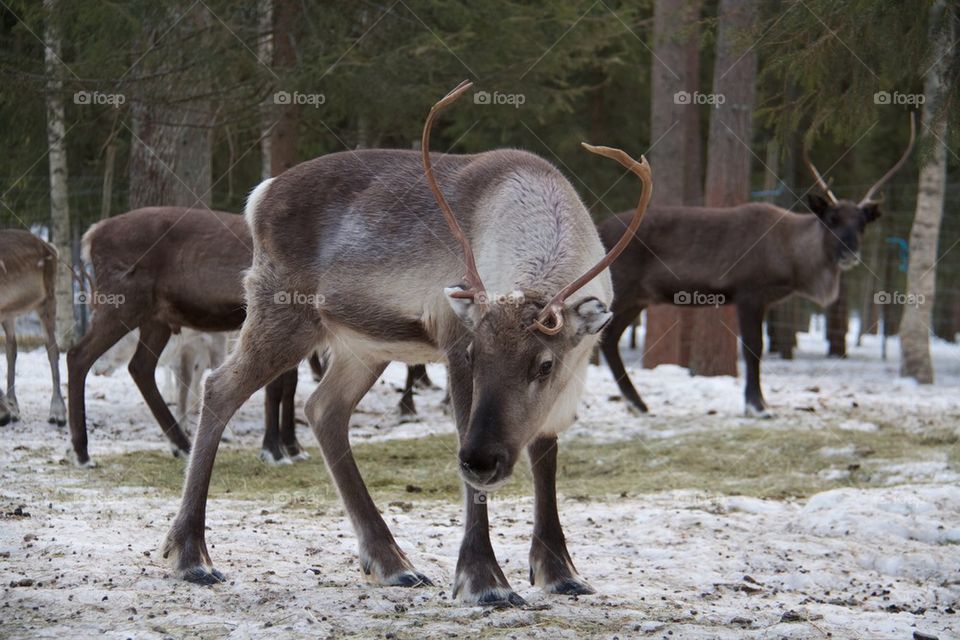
{"x": 265, "y": 54}
{"x": 59, "y": 202}
{"x": 713, "y": 339}
{"x": 916, "y": 324}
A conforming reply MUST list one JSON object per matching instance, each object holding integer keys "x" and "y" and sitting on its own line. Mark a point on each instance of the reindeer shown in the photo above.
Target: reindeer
{"x": 186, "y": 357}
{"x": 28, "y": 271}
{"x": 751, "y": 255}
{"x": 159, "y": 270}
{"x": 358, "y": 235}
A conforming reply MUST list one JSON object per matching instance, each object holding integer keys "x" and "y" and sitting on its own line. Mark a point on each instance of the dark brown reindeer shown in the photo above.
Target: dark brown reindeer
{"x": 358, "y": 236}
{"x": 751, "y": 255}
{"x": 28, "y": 270}
{"x": 158, "y": 270}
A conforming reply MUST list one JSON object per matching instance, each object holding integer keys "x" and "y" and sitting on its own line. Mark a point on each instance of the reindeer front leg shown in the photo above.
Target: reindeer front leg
{"x": 550, "y": 565}
{"x": 328, "y": 410}
{"x": 479, "y": 578}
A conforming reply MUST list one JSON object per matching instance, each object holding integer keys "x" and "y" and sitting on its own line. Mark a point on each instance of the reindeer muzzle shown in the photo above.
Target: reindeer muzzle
{"x": 849, "y": 260}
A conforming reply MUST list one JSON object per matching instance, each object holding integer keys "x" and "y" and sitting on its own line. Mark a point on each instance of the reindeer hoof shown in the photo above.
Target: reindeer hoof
{"x": 4, "y": 420}
{"x": 82, "y": 462}
{"x": 273, "y": 459}
{"x": 570, "y": 587}
{"x": 410, "y": 579}
{"x": 180, "y": 453}
{"x": 199, "y": 575}
{"x": 500, "y": 598}
{"x": 296, "y": 453}
{"x": 761, "y": 414}
{"x": 57, "y": 421}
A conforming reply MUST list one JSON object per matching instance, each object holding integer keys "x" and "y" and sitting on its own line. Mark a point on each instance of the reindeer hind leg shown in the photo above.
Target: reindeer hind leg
{"x": 9, "y": 410}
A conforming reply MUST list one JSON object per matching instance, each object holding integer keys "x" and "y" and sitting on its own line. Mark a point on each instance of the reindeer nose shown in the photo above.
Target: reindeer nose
{"x": 481, "y": 466}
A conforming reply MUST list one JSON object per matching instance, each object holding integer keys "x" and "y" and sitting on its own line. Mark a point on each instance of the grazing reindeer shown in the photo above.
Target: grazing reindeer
{"x": 185, "y": 358}
{"x": 28, "y": 269}
{"x": 751, "y": 255}
{"x": 357, "y": 236}
{"x": 157, "y": 270}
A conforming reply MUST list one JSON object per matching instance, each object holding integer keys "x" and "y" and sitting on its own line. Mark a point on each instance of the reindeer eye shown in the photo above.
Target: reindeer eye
{"x": 545, "y": 368}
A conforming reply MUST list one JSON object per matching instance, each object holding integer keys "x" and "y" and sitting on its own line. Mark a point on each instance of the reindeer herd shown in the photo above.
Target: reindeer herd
{"x": 350, "y": 259}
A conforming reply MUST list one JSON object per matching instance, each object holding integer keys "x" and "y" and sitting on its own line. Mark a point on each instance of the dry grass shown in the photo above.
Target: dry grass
{"x": 753, "y": 461}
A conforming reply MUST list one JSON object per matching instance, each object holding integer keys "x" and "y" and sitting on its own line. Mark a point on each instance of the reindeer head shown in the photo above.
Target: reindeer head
{"x": 527, "y": 353}
{"x": 524, "y": 381}
{"x": 846, "y": 220}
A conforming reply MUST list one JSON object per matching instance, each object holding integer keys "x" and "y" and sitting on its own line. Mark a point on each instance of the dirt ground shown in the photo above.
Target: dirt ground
{"x": 862, "y": 540}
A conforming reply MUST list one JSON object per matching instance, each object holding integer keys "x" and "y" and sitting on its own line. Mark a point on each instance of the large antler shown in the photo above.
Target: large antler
{"x": 554, "y": 310}
{"x": 816, "y": 176}
{"x": 889, "y": 174}
{"x": 475, "y": 289}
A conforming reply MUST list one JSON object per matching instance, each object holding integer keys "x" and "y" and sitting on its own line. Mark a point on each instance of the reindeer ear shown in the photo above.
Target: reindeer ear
{"x": 818, "y": 204}
{"x": 589, "y": 315}
{"x": 466, "y": 309}
{"x": 871, "y": 210}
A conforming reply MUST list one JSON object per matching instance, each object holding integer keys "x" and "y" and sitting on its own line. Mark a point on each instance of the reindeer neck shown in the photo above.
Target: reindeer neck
{"x": 817, "y": 275}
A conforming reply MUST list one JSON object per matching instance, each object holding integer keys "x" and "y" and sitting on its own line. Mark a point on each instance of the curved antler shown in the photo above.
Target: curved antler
{"x": 816, "y": 176}
{"x": 554, "y": 308}
{"x": 474, "y": 284}
{"x": 889, "y": 174}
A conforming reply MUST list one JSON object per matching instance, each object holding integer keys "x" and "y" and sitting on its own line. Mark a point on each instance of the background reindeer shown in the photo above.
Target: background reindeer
{"x": 158, "y": 270}
{"x": 752, "y": 256}
{"x": 28, "y": 268}
{"x": 517, "y": 360}
{"x": 184, "y": 360}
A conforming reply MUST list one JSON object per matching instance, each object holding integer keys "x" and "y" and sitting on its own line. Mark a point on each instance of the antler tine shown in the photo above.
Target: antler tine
{"x": 889, "y": 174}
{"x": 474, "y": 284}
{"x": 816, "y": 176}
{"x": 554, "y": 308}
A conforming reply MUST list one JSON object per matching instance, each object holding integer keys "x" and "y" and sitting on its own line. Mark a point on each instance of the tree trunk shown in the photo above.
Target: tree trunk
{"x": 109, "y": 165}
{"x": 713, "y": 339}
{"x": 171, "y": 151}
{"x": 779, "y": 318}
{"x": 674, "y": 136}
{"x": 57, "y": 155}
{"x": 868, "y": 309}
{"x": 946, "y": 325}
{"x": 922, "y": 269}
{"x": 283, "y": 143}
{"x": 265, "y": 53}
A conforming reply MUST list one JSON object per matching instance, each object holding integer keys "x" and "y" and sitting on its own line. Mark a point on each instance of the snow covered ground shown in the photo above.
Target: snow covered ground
{"x": 857, "y": 562}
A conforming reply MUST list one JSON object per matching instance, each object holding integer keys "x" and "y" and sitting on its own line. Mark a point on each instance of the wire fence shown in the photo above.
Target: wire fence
{"x": 874, "y": 293}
